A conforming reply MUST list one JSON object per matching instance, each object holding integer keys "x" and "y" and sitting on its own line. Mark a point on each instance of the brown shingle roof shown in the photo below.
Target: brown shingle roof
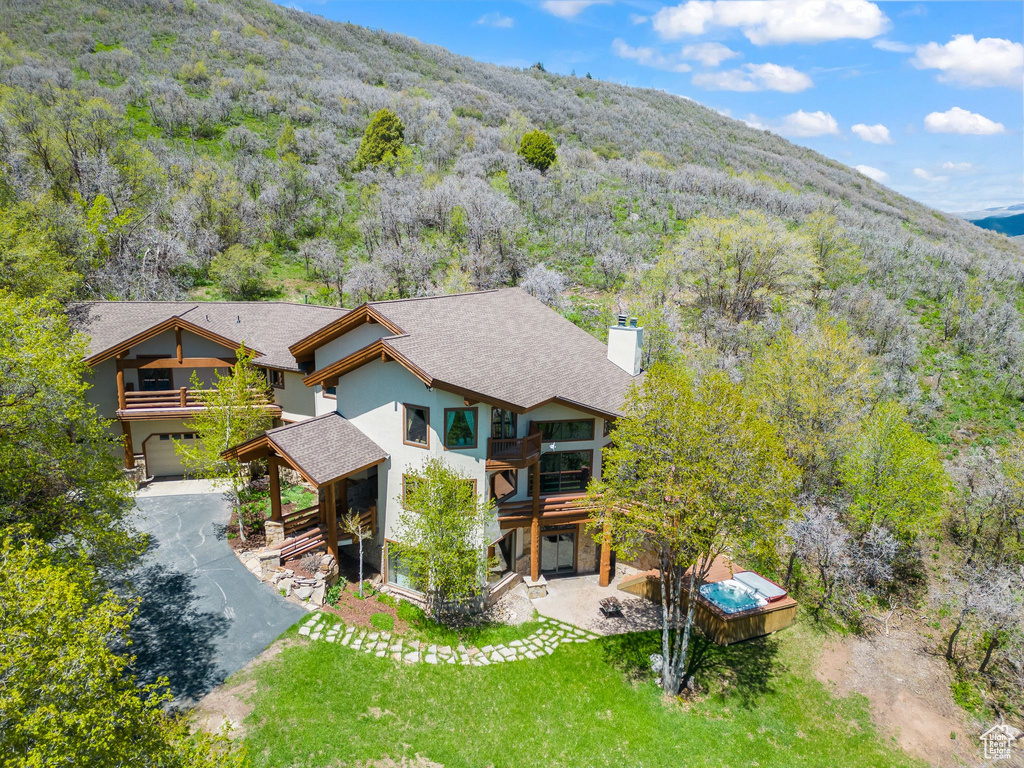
{"x": 269, "y": 326}
{"x": 327, "y": 447}
{"x": 506, "y": 345}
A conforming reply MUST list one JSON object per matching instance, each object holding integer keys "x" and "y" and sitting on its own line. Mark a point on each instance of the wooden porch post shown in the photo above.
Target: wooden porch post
{"x": 275, "y": 490}
{"x": 177, "y": 343}
{"x": 129, "y": 449}
{"x": 535, "y": 527}
{"x": 332, "y": 520}
{"x": 606, "y": 557}
{"x": 121, "y": 400}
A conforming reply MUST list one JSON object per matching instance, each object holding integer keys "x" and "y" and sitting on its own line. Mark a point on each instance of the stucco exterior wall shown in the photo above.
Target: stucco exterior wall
{"x": 345, "y": 345}
{"x": 372, "y": 398}
{"x": 297, "y": 401}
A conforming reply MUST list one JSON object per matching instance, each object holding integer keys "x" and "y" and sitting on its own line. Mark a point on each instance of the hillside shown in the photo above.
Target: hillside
{"x": 1011, "y": 225}
{"x": 190, "y": 148}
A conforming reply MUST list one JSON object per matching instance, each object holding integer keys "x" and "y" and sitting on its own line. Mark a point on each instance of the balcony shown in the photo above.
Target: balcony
{"x": 513, "y": 452}
{"x": 169, "y": 404}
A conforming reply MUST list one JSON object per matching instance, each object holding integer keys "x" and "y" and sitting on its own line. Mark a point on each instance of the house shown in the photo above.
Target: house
{"x": 507, "y": 391}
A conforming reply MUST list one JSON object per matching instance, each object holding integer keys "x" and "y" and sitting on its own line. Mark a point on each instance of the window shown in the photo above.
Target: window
{"x": 608, "y": 424}
{"x": 155, "y": 379}
{"x": 504, "y": 484}
{"x": 563, "y": 472}
{"x": 275, "y": 378}
{"x": 417, "y": 426}
{"x": 502, "y": 557}
{"x": 398, "y": 574}
{"x": 460, "y": 427}
{"x": 566, "y": 431}
{"x": 331, "y": 392}
{"x": 503, "y": 424}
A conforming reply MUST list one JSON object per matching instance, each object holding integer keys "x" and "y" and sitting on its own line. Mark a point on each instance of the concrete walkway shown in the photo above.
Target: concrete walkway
{"x": 203, "y": 615}
{"x": 541, "y": 643}
{"x": 574, "y": 600}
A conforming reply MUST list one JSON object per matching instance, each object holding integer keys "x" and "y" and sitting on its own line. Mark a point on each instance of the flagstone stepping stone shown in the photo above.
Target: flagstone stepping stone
{"x": 430, "y": 658}
{"x": 413, "y": 656}
{"x": 304, "y": 630}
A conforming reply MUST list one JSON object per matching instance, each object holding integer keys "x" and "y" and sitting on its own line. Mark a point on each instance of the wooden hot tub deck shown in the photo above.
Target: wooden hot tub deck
{"x": 719, "y": 626}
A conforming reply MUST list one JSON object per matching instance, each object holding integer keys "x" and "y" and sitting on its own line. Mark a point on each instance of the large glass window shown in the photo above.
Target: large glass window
{"x": 460, "y": 427}
{"x": 504, "y": 484}
{"x": 566, "y": 431}
{"x": 503, "y": 424}
{"x": 398, "y": 574}
{"x": 564, "y": 471}
{"x": 417, "y": 423}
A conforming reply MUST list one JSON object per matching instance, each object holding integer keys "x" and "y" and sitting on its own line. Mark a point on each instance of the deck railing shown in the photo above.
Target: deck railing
{"x": 513, "y": 448}
{"x": 183, "y": 397}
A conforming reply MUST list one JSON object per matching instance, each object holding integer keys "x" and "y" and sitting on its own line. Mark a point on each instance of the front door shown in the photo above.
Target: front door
{"x": 558, "y": 551}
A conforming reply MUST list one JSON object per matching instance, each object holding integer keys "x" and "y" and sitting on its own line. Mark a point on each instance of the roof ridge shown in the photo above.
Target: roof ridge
{"x": 436, "y": 296}
{"x": 283, "y": 427}
{"x": 200, "y": 302}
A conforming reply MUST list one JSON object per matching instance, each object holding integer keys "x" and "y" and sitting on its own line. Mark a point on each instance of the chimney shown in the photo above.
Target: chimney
{"x": 625, "y": 341}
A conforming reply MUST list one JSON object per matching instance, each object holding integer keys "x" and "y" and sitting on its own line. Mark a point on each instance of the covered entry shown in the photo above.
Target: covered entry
{"x": 326, "y": 451}
{"x": 558, "y": 549}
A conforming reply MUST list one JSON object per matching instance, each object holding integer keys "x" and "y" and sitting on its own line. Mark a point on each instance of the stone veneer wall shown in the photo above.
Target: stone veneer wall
{"x": 586, "y": 551}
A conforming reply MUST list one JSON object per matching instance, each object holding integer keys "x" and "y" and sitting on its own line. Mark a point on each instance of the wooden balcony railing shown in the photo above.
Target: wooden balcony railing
{"x": 515, "y": 450}
{"x": 183, "y": 397}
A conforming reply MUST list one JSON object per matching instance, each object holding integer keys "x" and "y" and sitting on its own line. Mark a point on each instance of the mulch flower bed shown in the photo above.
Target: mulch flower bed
{"x": 253, "y": 539}
{"x": 356, "y": 612}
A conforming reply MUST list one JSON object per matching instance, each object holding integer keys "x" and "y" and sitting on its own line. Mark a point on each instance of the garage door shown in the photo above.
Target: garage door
{"x": 161, "y": 459}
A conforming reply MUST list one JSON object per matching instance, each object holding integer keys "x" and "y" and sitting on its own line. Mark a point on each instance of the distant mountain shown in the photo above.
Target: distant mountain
{"x": 1008, "y": 219}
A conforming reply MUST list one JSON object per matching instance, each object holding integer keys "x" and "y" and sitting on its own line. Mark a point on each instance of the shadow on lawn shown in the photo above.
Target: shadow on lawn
{"x": 171, "y": 637}
{"x": 744, "y": 670}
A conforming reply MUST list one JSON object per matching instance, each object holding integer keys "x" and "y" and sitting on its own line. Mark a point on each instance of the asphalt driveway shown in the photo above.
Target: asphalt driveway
{"x": 203, "y": 615}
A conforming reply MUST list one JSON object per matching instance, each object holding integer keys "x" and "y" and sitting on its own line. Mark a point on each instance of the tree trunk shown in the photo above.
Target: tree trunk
{"x": 992, "y": 645}
{"x": 789, "y": 568}
{"x": 952, "y": 638}
{"x": 360, "y": 530}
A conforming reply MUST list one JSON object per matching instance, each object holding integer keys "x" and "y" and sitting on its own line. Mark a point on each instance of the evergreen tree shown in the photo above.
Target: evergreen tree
{"x": 538, "y": 149}
{"x": 382, "y": 139}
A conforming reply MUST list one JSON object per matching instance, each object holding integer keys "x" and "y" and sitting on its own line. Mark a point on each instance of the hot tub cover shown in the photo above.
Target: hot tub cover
{"x": 765, "y": 588}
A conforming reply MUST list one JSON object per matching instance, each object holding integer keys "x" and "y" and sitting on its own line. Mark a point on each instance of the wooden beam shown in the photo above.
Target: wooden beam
{"x": 275, "y": 490}
{"x": 535, "y": 528}
{"x": 606, "y": 556}
{"x": 177, "y": 341}
{"x": 186, "y": 362}
{"x": 129, "y": 449}
{"x": 332, "y": 520}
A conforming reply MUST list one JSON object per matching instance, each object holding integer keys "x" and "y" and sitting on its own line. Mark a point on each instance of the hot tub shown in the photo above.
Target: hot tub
{"x": 731, "y": 596}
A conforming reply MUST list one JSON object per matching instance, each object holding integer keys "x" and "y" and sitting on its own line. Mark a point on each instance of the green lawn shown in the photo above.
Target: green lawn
{"x": 320, "y": 704}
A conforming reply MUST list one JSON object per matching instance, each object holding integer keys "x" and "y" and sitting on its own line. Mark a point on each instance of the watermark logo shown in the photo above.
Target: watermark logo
{"x": 998, "y": 741}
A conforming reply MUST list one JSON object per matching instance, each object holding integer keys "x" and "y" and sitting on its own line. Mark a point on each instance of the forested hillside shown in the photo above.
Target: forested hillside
{"x": 212, "y": 149}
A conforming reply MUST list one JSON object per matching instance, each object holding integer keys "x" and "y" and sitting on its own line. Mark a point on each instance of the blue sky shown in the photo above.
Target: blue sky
{"x": 924, "y": 96}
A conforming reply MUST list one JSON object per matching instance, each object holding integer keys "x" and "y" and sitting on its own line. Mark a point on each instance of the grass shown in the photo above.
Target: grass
{"x": 586, "y": 705}
{"x": 422, "y": 627}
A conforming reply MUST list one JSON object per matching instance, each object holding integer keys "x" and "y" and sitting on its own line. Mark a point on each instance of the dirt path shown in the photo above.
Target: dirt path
{"x": 909, "y": 694}
{"x": 229, "y": 704}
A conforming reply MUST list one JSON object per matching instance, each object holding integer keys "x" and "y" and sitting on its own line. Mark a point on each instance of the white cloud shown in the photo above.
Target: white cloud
{"x": 957, "y": 120}
{"x": 570, "y": 9}
{"x": 709, "y": 54}
{"x": 958, "y": 167}
{"x": 755, "y": 77}
{"x": 921, "y": 173}
{"x": 966, "y": 61}
{"x": 767, "y": 22}
{"x": 892, "y": 46}
{"x": 648, "y": 57}
{"x": 636, "y": 18}
{"x": 495, "y": 19}
{"x": 876, "y": 134}
{"x": 802, "y": 123}
{"x": 872, "y": 173}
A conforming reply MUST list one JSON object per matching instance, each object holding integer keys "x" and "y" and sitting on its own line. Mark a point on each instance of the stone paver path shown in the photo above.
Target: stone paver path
{"x": 323, "y": 627}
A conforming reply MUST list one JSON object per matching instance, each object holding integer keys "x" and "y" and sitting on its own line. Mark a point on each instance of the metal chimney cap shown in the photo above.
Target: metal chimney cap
{"x": 632, "y": 322}
{"x": 622, "y": 321}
